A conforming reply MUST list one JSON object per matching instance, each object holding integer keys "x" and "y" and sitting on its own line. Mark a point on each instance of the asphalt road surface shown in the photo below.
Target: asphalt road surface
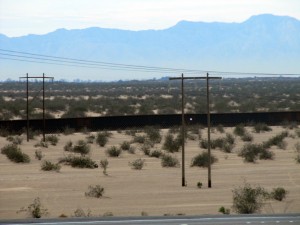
{"x": 286, "y": 219}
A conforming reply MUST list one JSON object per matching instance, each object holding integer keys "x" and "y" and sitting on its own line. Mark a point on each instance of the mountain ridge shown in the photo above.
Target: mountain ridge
{"x": 261, "y": 43}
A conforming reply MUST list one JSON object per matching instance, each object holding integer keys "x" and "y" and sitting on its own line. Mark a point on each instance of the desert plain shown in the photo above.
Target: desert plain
{"x": 154, "y": 190}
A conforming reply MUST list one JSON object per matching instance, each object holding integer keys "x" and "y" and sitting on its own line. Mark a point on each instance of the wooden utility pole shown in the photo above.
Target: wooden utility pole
{"x": 183, "y": 122}
{"x": 27, "y": 102}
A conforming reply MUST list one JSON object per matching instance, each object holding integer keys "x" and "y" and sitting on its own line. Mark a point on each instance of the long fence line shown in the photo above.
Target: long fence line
{"x": 162, "y": 121}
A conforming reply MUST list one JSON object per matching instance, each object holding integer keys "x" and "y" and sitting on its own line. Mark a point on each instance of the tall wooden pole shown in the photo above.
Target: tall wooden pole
{"x": 27, "y": 107}
{"x": 208, "y": 130}
{"x": 44, "y": 122}
{"x": 183, "y": 132}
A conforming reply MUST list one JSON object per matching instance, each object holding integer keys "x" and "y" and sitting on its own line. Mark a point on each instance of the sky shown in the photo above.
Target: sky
{"x": 22, "y": 17}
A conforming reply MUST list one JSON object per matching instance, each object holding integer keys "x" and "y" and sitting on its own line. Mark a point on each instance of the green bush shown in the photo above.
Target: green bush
{"x": 79, "y": 212}
{"x": 156, "y": 153}
{"x": 251, "y": 152}
{"x": 95, "y": 191}
{"x": 125, "y": 145}
{"x": 279, "y": 193}
{"x": 202, "y": 160}
{"x": 171, "y": 144}
{"x": 239, "y": 130}
{"x": 104, "y": 165}
{"x": 82, "y": 147}
{"x": 199, "y": 184}
{"x": 35, "y": 210}
{"x": 38, "y": 154}
{"x": 224, "y": 210}
{"x": 69, "y": 146}
{"x": 137, "y": 164}
{"x": 49, "y": 166}
{"x": 220, "y": 128}
{"x": 14, "y": 153}
{"x": 146, "y": 148}
{"x": 247, "y": 137}
{"x": 261, "y": 127}
{"x": 169, "y": 161}
{"x": 90, "y": 138}
{"x": 41, "y": 144}
{"x": 102, "y": 138}
{"x": 141, "y": 139}
{"x": 248, "y": 199}
{"x": 113, "y": 151}
{"x": 153, "y": 134}
{"x": 53, "y": 139}
{"x": 79, "y": 161}
{"x": 276, "y": 140}
{"x": 17, "y": 140}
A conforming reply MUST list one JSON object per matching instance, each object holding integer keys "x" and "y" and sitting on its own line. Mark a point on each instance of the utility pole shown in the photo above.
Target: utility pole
{"x": 27, "y": 102}
{"x": 183, "y": 122}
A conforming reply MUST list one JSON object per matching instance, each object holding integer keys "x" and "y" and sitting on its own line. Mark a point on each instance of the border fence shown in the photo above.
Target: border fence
{"x": 162, "y": 121}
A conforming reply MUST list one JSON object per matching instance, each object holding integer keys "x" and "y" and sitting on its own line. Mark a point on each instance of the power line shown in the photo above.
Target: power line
{"x": 65, "y": 61}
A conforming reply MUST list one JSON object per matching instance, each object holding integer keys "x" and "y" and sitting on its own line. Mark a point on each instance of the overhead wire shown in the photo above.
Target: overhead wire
{"x": 65, "y": 61}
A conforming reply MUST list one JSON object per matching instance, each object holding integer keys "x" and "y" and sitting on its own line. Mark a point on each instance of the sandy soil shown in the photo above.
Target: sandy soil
{"x": 154, "y": 190}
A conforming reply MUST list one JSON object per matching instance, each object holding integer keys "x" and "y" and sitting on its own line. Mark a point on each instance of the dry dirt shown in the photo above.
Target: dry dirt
{"x": 154, "y": 189}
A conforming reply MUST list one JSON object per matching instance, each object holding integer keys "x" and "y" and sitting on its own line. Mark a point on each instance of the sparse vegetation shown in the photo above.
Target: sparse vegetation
{"x": 202, "y": 160}
{"x": 276, "y": 140}
{"x": 248, "y": 199}
{"x": 113, "y": 151}
{"x": 199, "y": 184}
{"x": 53, "y": 139}
{"x": 102, "y": 138}
{"x": 96, "y": 191}
{"x": 279, "y": 193}
{"x": 38, "y": 154}
{"x": 251, "y": 152}
{"x": 125, "y": 145}
{"x": 104, "y": 165}
{"x": 168, "y": 160}
{"x": 171, "y": 144}
{"x": 14, "y": 153}
{"x": 49, "y": 166}
{"x": 137, "y": 164}
{"x": 224, "y": 210}
{"x": 261, "y": 127}
{"x": 35, "y": 209}
{"x": 79, "y": 212}
{"x": 17, "y": 140}
{"x": 79, "y": 161}
{"x": 239, "y": 130}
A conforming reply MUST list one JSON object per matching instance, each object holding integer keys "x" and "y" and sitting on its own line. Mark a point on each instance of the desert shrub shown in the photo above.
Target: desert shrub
{"x": 35, "y": 209}
{"x": 49, "y": 166}
{"x": 282, "y": 145}
{"x": 125, "y": 145}
{"x": 171, "y": 144}
{"x": 156, "y": 153}
{"x": 79, "y": 161}
{"x": 17, "y": 140}
{"x": 227, "y": 147}
{"x": 248, "y": 199}
{"x": 90, "y": 138}
{"x": 297, "y": 147}
{"x": 113, "y": 151}
{"x": 68, "y": 131}
{"x": 224, "y": 210}
{"x": 247, "y": 137}
{"x": 202, "y": 160}
{"x": 104, "y": 165}
{"x": 289, "y": 125}
{"x": 279, "y": 193}
{"x": 38, "y": 154}
{"x": 14, "y": 153}
{"x": 79, "y": 212}
{"x": 107, "y": 214}
{"x": 220, "y": 128}
{"x": 239, "y": 130}
{"x": 276, "y": 140}
{"x": 146, "y": 148}
{"x": 251, "y": 152}
{"x": 102, "y": 138}
{"x": 297, "y": 131}
{"x": 68, "y": 146}
{"x": 153, "y": 134}
{"x": 169, "y": 161}
{"x": 53, "y": 139}
{"x": 81, "y": 147}
{"x": 137, "y": 164}
{"x": 199, "y": 184}
{"x": 4, "y": 132}
{"x": 95, "y": 191}
{"x": 42, "y": 144}
{"x": 261, "y": 127}
{"x": 141, "y": 139}
{"x": 131, "y": 150}
{"x": 230, "y": 138}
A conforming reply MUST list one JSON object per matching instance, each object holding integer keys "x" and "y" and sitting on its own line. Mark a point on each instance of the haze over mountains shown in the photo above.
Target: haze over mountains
{"x": 263, "y": 43}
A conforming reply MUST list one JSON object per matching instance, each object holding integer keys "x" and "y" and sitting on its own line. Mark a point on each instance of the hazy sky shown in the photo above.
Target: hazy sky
{"x": 21, "y": 17}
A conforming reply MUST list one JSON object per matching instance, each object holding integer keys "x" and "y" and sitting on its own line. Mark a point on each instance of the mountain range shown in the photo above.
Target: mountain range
{"x": 263, "y": 43}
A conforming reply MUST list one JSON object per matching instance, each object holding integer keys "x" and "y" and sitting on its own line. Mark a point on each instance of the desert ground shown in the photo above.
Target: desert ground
{"x": 154, "y": 190}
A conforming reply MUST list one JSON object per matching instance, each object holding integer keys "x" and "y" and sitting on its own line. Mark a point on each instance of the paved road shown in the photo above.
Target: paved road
{"x": 286, "y": 219}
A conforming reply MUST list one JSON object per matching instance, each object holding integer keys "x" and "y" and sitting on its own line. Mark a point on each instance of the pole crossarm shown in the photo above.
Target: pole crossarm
{"x": 27, "y": 96}
{"x": 207, "y": 78}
